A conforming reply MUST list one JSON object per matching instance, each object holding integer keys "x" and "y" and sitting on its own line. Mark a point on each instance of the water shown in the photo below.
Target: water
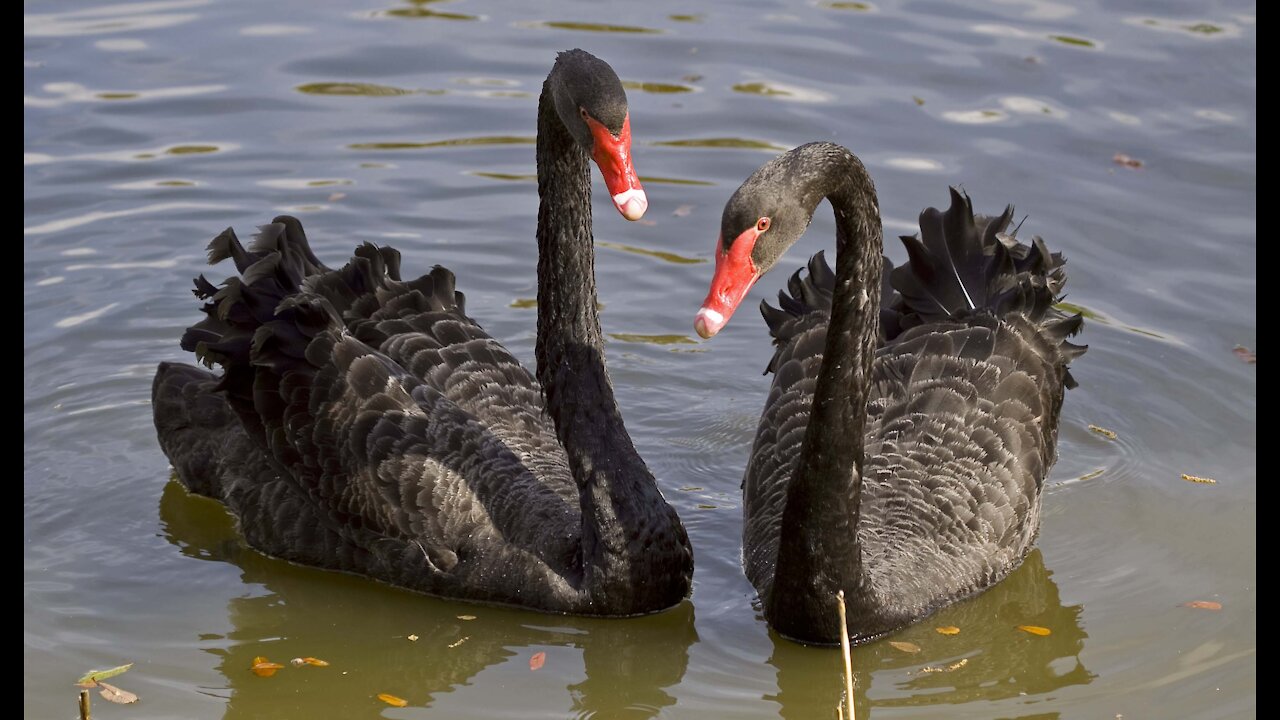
{"x": 149, "y": 127}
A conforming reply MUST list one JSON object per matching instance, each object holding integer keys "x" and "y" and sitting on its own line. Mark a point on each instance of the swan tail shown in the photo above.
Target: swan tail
{"x": 963, "y": 263}
{"x": 376, "y": 305}
{"x": 960, "y": 263}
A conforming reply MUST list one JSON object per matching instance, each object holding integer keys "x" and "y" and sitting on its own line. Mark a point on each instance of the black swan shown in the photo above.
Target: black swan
{"x": 367, "y": 424}
{"x": 914, "y": 411}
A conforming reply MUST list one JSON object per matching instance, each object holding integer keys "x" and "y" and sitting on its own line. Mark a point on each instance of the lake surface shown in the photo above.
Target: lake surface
{"x": 149, "y": 127}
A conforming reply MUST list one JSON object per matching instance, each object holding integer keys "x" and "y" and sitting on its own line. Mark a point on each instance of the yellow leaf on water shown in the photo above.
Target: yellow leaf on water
{"x": 91, "y": 678}
{"x": 115, "y": 694}
{"x": 1108, "y": 434}
{"x": 950, "y": 668}
{"x": 1198, "y": 479}
{"x": 1035, "y": 630}
{"x": 1203, "y": 605}
{"x": 264, "y": 668}
{"x": 300, "y": 661}
{"x": 466, "y": 617}
{"x": 948, "y": 630}
{"x": 413, "y": 638}
{"x": 392, "y": 700}
{"x": 906, "y": 647}
{"x": 459, "y": 641}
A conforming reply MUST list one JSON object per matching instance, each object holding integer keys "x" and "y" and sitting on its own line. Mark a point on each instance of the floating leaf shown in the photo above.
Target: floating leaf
{"x": 537, "y": 661}
{"x": 466, "y": 617}
{"x": 413, "y": 638}
{"x": 264, "y": 668}
{"x": 918, "y": 100}
{"x": 1198, "y": 479}
{"x": 314, "y": 662}
{"x": 115, "y": 694}
{"x": 93, "y": 677}
{"x": 906, "y": 647}
{"x": 948, "y": 630}
{"x": 1035, "y": 630}
{"x": 949, "y": 668}
{"x": 392, "y": 700}
{"x": 1245, "y": 354}
{"x": 459, "y": 641}
{"x": 1108, "y": 434}
{"x": 1126, "y": 161}
{"x": 1203, "y": 605}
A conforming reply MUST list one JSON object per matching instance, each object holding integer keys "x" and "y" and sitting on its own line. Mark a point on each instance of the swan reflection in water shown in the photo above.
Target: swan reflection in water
{"x": 630, "y": 666}
{"x": 990, "y": 659}
{"x": 361, "y": 627}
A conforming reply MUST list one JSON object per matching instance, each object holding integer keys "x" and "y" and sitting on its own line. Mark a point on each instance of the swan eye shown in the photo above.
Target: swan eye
{"x": 762, "y": 224}
{"x": 583, "y": 112}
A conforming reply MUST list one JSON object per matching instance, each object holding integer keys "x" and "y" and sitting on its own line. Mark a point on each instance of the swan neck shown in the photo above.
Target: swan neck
{"x": 619, "y": 496}
{"x": 819, "y": 552}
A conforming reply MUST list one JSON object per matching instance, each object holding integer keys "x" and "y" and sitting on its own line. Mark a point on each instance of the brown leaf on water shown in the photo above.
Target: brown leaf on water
{"x": 1108, "y": 434}
{"x": 1203, "y": 604}
{"x": 392, "y": 700}
{"x": 459, "y": 641}
{"x": 1198, "y": 479}
{"x": 948, "y": 630}
{"x": 1126, "y": 161}
{"x": 1245, "y": 354}
{"x": 906, "y": 647}
{"x": 263, "y": 667}
{"x": 115, "y": 694}
{"x": 537, "y": 661}
{"x": 1035, "y": 630}
{"x": 93, "y": 677}
{"x": 466, "y": 617}
{"x": 682, "y": 211}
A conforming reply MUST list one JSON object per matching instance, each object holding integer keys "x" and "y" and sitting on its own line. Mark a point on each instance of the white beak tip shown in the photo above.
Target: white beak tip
{"x": 707, "y": 323}
{"x": 631, "y": 203}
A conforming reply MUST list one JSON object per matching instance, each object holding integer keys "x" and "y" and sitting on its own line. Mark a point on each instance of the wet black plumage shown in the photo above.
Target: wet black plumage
{"x": 920, "y": 483}
{"x": 365, "y": 423}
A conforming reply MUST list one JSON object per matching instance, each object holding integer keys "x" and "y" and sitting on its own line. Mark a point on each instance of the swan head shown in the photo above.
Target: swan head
{"x": 765, "y": 216}
{"x": 592, "y": 105}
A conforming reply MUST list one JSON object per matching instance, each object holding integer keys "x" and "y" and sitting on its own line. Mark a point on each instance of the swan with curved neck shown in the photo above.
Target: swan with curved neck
{"x": 913, "y": 414}
{"x": 366, "y": 424}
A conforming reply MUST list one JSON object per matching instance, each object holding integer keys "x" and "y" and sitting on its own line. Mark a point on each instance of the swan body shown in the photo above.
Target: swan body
{"x": 365, "y": 423}
{"x": 913, "y": 413}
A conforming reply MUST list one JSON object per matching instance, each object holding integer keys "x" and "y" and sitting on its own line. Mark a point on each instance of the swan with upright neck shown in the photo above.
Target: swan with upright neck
{"x": 366, "y": 424}
{"x": 913, "y": 414}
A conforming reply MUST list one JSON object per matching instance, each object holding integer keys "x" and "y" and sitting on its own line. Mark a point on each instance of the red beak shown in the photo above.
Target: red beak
{"x": 735, "y": 274}
{"x": 612, "y": 154}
